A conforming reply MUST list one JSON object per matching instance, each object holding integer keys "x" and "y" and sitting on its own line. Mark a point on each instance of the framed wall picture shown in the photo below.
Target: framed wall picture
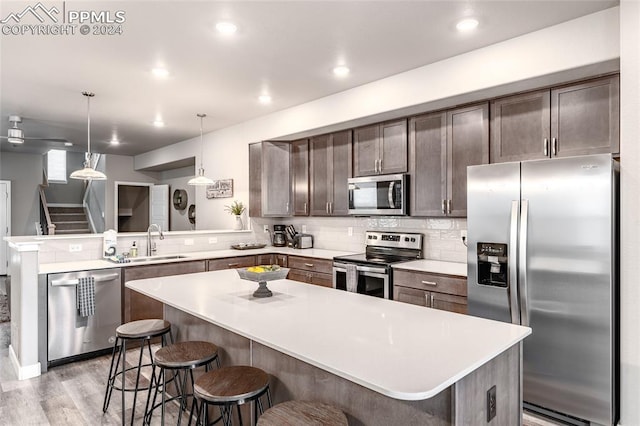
{"x": 220, "y": 189}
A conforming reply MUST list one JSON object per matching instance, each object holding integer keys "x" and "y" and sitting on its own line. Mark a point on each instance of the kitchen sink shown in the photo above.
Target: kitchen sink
{"x": 154, "y": 258}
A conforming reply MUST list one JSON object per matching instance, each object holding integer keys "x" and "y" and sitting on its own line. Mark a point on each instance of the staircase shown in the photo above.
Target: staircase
{"x": 69, "y": 220}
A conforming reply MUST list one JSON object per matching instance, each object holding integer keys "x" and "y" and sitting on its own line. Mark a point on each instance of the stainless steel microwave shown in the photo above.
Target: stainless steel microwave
{"x": 379, "y": 195}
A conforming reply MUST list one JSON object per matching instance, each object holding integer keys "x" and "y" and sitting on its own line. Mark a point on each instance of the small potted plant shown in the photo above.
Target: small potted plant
{"x": 236, "y": 209}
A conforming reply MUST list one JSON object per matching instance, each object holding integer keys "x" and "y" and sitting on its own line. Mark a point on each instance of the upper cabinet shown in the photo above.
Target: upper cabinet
{"x": 329, "y": 169}
{"x": 572, "y": 120}
{"x": 441, "y": 146}
{"x": 300, "y": 176}
{"x": 380, "y": 148}
{"x": 270, "y": 179}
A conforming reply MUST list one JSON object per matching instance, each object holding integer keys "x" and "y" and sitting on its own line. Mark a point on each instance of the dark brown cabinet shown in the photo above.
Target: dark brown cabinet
{"x": 272, "y": 259}
{"x": 441, "y": 147}
{"x": 300, "y": 176}
{"x": 270, "y": 179}
{"x": 137, "y": 306}
{"x": 311, "y": 270}
{"x": 231, "y": 263}
{"x": 380, "y": 148}
{"x": 436, "y": 291}
{"x": 571, "y": 120}
{"x": 329, "y": 169}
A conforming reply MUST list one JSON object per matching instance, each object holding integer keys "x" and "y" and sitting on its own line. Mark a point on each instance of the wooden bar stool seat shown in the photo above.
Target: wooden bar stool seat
{"x": 180, "y": 359}
{"x": 303, "y": 413}
{"x": 229, "y": 387}
{"x": 142, "y": 331}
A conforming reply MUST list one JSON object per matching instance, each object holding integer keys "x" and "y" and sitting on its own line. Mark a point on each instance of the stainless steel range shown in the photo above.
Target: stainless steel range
{"x": 370, "y": 272}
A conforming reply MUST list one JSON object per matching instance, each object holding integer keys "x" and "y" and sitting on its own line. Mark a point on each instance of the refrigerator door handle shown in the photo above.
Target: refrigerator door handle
{"x": 522, "y": 264}
{"x": 513, "y": 270}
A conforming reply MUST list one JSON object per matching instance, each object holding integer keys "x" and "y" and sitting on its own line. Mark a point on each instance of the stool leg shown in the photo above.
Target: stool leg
{"x": 123, "y": 348}
{"x": 110, "y": 378}
{"x": 135, "y": 392}
{"x": 164, "y": 392}
{"x": 183, "y": 397}
{"x": 148, "y": 413}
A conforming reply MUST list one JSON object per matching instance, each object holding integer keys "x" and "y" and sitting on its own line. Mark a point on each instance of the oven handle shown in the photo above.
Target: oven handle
{"x": 341, "y": 267}
{"x": 72, "y": 282}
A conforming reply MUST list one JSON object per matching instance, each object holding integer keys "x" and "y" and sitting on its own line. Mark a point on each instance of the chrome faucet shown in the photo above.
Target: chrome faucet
{"x": 151, "y": 246}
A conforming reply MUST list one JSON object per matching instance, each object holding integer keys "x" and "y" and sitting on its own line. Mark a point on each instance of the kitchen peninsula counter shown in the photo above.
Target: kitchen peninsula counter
{"x": 395, "y": 351}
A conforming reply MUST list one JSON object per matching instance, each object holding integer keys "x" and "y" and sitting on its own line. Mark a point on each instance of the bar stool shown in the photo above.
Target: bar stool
{"x": 180, "y": 359}
{"x": 142, "y": 331}
{"x": 303, "y": 413}
{"x": 229, "y": 387}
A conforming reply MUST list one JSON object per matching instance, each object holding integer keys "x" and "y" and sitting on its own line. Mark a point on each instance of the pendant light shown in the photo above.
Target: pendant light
{"x": 200, "y": 178}
{"x": 88, "y": 172}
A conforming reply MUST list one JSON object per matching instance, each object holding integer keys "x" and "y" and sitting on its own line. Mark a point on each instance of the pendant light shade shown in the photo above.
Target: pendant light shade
{"x": 88, "y": 172}
{"x": 200, "y": 178}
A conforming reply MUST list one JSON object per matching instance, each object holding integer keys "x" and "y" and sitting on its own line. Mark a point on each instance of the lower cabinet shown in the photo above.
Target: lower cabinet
{"x": 137, "y": 306}
{"x": 311, "y": 270}
{"x": 272, "y": 259}
{"x": 231, "y": 263}
{"x": 443, "y": 292}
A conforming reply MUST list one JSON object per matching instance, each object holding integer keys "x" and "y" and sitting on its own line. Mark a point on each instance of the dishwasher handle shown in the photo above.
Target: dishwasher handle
{"x": 69, "y": 282}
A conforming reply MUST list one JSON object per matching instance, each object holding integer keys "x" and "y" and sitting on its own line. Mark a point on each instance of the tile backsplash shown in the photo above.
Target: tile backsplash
{"x": 442, "y": 237}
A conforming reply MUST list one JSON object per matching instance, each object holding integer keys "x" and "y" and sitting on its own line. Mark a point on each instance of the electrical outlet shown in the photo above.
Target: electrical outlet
{"x": 265, "y": 228}
{"x": 304, "y": 229}
{"x": 188, "y": 242}
{"x": 213, "y": 240}
{"x": 350, "y": 231}
{"x": 491, "y": 403}
{"x": 73, "y": 248}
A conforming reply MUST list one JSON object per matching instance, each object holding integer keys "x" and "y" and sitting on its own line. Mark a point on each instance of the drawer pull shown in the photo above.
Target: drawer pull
{"x": 309, "y": 265}
{"x": 429, "y": 283}
{"x": 232, "y": 264}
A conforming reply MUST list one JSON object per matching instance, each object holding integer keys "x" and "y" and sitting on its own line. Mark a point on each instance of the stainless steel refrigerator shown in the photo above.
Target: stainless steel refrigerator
{"x": 542, "y": 252}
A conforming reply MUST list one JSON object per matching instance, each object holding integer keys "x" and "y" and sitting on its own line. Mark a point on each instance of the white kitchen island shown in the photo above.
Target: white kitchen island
{"x": 382, "y": 362}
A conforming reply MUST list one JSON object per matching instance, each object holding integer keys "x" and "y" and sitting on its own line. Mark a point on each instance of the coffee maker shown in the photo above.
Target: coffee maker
{"x": 279, "y": 238}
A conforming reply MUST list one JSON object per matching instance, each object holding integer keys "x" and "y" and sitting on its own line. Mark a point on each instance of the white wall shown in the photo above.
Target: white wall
{"x": 630, "y": 207}
{"x": 177, "y": 179}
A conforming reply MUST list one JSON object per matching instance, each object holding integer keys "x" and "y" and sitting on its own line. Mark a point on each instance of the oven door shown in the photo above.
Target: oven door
{"x": 372, "y": 281}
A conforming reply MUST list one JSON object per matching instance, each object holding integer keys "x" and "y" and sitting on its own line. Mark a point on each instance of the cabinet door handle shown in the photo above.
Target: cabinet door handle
{"x": 431, "y": 301}
{"x": 554, "y": 147}
{"x": 448, "y": 206}
{"x": 545, "y": 147}
{"x": 426, "y": 300}
{"x": 230, "y": 265}
{"x": 380, "y": 166}
{"x": 287, "y": 207}
{"x": 309, "y": 265}
{"x": 305, "y": 207}
{"x": 330, "y": 207}
{"x": 429, "y": 283}
{"x": 444, "y": 206}
{"x": 326, "y": 207}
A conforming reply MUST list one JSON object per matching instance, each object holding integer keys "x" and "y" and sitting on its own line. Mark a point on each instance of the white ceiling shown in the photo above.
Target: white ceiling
{"x": 286, "y": 49}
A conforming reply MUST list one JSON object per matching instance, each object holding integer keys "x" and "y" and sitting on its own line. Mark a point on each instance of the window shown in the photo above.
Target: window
{"x": 57, "y": 166}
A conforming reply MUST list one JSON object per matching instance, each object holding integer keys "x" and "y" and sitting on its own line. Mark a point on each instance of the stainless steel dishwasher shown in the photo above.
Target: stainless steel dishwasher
{"x": 71, "y": 336}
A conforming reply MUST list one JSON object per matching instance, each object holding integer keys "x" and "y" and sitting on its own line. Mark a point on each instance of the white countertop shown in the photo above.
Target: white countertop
{"x": 86, "y": 265}
{"x": 434, "y": 266}
{"x": 399, "y": 350}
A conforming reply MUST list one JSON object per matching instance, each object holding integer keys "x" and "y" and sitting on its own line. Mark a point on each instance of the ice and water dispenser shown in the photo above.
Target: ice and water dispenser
{"x": 492, "y": 264}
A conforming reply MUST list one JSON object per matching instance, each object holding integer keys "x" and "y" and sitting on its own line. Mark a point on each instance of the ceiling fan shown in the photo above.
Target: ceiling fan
{"x": 16, "y": 134}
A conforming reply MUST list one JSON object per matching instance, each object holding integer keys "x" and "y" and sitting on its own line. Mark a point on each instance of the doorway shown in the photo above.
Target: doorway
{"x": 5, "y": 223}
{"x": 138, "y": 205}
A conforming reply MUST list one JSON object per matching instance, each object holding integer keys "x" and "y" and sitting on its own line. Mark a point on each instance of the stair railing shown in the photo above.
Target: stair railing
{"x": 44, "y": 212}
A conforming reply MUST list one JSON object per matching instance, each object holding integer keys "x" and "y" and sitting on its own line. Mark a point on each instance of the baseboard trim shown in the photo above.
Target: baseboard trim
{"x": 23, "y": 372}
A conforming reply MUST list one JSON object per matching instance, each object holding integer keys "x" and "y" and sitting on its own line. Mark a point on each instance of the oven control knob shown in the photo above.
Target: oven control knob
{"x": 413, "y": 240}
{"x": 406, "y": 238}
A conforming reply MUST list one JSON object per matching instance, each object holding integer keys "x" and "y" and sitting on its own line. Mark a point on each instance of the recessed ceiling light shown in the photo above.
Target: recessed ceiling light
{"x": 158, "y": 122}
{"x": 68, "y": 144}
{"x": 341, "y": 71}
{"x": 114, "y": 141}
{"x": 467, "y": 24}
{"x": 160, "y": 72}
{"x": 226, "y": 27}
{"x": 264, "y": 99}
